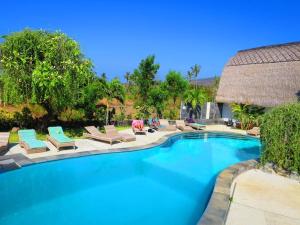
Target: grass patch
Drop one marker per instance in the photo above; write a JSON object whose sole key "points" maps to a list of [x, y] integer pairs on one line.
{"points": [[123, 127], [14, 138], [70, 132]]}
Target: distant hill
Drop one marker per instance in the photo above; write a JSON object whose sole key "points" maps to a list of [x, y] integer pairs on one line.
{"points": [[204, 82]]}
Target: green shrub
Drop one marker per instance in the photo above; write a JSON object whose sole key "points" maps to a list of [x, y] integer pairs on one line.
{"points": [[100, 114], [24, 118], [37, 111], [119, 117], [280, 136], [142, 111], [6, 120], [171, 114], [248, 115], [71, 115]]}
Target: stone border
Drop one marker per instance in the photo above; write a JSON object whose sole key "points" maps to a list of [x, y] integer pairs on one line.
{"points": [[8, 164], [219, 203]]}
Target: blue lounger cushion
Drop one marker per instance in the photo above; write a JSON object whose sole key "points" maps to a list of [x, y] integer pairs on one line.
{"points": [[29, 137], [58, 134]]}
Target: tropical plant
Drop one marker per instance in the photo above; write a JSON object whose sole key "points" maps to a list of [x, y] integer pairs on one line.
{"points": [[143, 79], [37, 111], [127, 77], [195, 97], [91, 95], [6, 120], [44, 68], [280, 136], [100, 115], [248, 115], [193, 72], [24, 118], [175, 85], [120, 117], [113, 90], [71, 115], [1, 87], [157, 99], [142, 111]]}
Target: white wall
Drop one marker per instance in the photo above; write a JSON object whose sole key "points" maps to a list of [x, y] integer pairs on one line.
{"points": [[226, 111]]}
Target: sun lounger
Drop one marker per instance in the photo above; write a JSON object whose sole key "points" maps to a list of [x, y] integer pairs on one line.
{"points": [[138, 127], [152, 124], [111, 130], [255, 131], [197, 126], [4, 136], [165, 126], [28, 140], [94, 133], [59, 139], [181, 126]]}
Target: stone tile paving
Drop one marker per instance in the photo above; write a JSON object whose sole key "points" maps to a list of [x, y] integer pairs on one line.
{"points": [[85, 145], [264, 199], [218, 206]]}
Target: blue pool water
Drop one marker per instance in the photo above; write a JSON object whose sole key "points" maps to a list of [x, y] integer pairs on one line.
{"points": [[167, 184]]}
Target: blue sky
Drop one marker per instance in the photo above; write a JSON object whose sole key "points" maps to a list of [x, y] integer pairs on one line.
{"points": [[116, 35]]}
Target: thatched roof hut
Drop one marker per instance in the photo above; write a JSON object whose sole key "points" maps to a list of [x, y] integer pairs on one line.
{"points": [[265, 76]]}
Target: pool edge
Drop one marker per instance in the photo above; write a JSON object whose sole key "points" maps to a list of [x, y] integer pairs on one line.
{"points": [[23, 160], [218, 206]]}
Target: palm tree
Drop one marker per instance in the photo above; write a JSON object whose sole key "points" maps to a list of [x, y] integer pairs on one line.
{"points": [[127, 77], [195, 70], [113, 90], [193, 73], [195, 97]]}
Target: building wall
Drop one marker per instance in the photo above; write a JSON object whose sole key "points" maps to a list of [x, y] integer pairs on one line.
{"points": [[226, 111], [209, 110]]}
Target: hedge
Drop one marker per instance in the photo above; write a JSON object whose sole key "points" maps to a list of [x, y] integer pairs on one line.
{"points": [[280, 136]]}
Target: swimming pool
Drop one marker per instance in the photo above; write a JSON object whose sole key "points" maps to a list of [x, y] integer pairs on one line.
{"points": [[167, 184]]}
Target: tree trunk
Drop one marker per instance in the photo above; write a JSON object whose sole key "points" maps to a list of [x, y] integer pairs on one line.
{"points": [[107, 112]]}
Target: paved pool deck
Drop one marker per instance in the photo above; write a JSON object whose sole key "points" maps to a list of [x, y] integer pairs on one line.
{"points": [[223, 128], [261, 198], [84, 145], [92, 145]]}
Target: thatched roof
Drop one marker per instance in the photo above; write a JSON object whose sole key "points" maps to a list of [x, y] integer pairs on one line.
{"points": [[265, 76], [204, 81]]}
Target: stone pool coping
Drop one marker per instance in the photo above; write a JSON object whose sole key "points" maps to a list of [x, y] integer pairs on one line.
{"points": [[219, 203], [218, 206]]}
